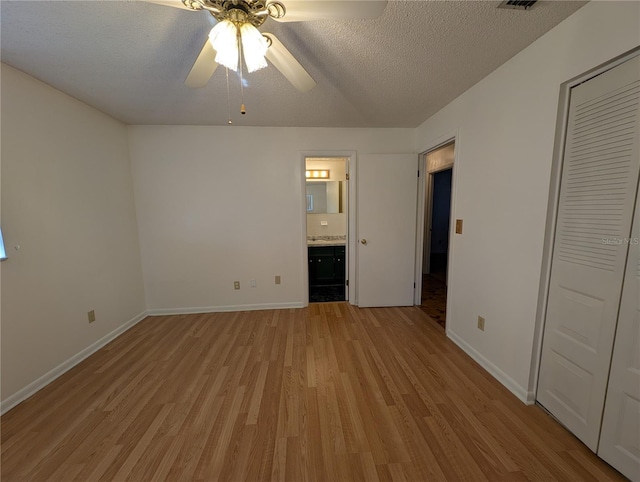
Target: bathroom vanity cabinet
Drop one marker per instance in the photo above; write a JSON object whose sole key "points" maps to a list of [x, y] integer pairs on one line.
{"points": [[326, 265]]}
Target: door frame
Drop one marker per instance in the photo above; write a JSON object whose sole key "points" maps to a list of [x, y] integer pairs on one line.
{"points": [[350, 265], [562, 120], [428, 206], [425, 193]]}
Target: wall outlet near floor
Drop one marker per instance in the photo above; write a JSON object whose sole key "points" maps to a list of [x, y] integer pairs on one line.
{"points": [[480, 323], [236, 285], [253, 283], [91, 316], [278, 280]]}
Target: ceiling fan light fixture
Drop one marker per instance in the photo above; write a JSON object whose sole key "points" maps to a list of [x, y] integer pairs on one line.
{"points": [[254, 47], [224, 39]]}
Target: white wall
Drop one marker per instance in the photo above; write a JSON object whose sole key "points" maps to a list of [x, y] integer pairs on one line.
{"points": [[505, 126], [67, 201], [336, 224], [219, 204]]}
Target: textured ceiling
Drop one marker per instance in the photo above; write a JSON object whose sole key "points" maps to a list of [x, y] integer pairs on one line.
{"points": [[129, 59]]}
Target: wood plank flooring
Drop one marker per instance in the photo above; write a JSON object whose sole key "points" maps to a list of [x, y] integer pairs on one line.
{"points": [[434, 298], [328, 393]]}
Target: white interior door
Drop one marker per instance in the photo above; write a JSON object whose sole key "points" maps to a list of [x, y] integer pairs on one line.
{"points": [[620, 436], [597, 195], [386, 224]]}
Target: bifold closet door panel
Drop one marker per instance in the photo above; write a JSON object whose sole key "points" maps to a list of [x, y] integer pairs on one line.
{"points": [[597, 196], [620, 436]]}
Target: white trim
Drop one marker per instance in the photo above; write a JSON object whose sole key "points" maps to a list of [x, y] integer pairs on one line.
{"points": [[352, 233], [457, 139], [424, 210], [223, 309], [21, 395], [350, 269], [420, 229], [520, 392], [304, 268]]}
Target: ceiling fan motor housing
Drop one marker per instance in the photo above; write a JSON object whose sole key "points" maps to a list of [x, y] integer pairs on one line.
{"points": [[254, 12]]}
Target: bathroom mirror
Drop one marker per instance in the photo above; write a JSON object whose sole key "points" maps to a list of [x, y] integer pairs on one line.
{"points": [[324, 197]]}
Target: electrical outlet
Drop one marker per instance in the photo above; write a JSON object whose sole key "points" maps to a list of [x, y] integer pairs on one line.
{"points": [[278, 280], [480, 323], [253, 283], [236, 285], [91, 315]]}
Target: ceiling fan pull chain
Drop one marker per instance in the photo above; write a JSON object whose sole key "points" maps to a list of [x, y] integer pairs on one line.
{"points": [[243, 110], [228, 98]]}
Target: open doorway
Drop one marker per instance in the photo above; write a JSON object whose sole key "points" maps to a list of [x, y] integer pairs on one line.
{"points": [[440, 222], [327, 227], [439, 164]]}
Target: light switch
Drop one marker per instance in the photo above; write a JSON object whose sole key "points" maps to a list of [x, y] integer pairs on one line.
{"points": [[324, 223]]}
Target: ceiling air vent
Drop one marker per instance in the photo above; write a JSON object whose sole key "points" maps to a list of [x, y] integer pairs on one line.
{"points": [[518, 4]]}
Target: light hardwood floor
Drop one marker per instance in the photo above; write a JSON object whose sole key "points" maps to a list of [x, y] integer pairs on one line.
{"points": [[328, 393]]}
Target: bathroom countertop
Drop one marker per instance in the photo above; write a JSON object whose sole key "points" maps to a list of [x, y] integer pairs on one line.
{"points": [[326, 240], [323, 242]]}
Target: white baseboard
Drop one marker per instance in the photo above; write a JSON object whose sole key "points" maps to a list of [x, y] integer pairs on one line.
{"points": [[222, 309], [65, 366], [523, 394]]}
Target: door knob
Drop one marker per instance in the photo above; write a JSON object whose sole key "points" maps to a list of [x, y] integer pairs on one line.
{"points": [[363, 241]]}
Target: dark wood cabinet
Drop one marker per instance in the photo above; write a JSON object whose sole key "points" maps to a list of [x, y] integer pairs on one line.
{"points": [[326, 265]]}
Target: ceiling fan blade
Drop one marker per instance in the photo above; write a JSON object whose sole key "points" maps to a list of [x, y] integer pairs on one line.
{"points": [[170, 3], [287, 64], [302, 10], [203, 68]]}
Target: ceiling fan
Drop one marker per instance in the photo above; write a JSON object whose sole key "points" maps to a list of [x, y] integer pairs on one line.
{"points": [[236, 36]]}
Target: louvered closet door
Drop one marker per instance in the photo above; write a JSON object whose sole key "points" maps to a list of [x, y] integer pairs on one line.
{"points": [[620, 436], [598, 188]]}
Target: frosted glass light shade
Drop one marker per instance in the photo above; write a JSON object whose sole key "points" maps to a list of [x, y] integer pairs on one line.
{"points": [[3, 253], [254, 46], [224, 39]]}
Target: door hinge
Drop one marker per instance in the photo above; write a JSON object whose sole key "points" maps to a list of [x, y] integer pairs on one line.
{"points": [[414, 285], [418, 173], [347, 282], [347, 176]]}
